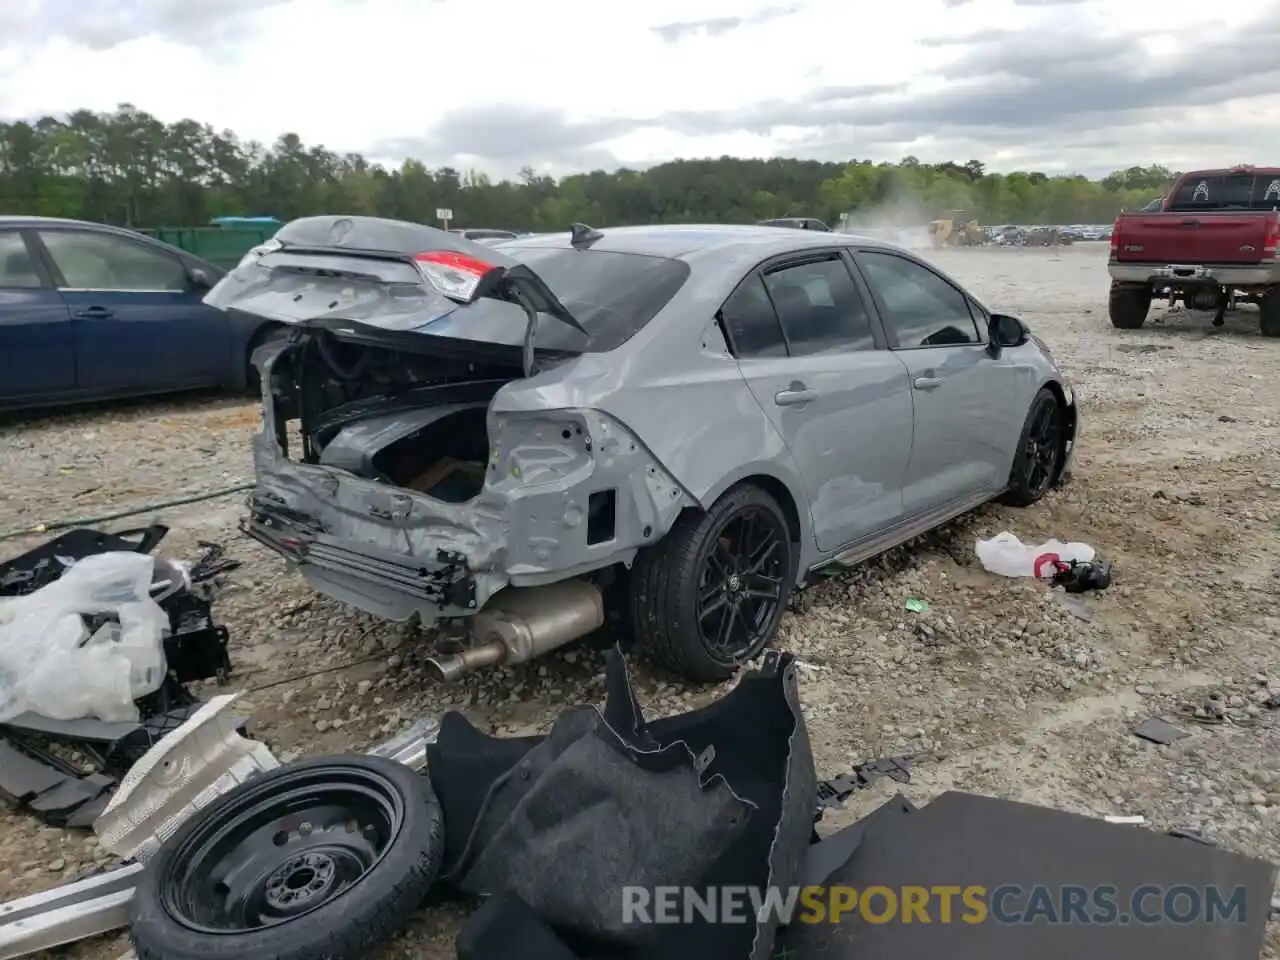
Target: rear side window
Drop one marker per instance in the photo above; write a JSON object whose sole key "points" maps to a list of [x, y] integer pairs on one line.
{"points": [[17, 269], [751, 324], [613, 295], [820, 308], [1243, 191]]}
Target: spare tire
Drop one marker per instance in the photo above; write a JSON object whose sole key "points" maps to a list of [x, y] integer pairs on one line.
{"points": [[322, 858]]}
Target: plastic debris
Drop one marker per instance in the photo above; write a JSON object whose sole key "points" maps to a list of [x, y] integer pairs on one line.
{"points": [[1007, 556], [87, 645]]}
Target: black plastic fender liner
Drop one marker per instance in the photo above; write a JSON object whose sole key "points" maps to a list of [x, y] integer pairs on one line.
{"points": [[324, 858]]}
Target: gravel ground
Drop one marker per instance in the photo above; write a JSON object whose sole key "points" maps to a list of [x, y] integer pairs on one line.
{"points": [[1176, 481]]}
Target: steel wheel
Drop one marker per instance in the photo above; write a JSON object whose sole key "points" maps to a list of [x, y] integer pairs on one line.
{"points": [[277, 857], [325, 857], [740, 583]]}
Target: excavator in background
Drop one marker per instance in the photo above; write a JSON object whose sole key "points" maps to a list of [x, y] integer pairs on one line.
{"points": [[956, 228]]}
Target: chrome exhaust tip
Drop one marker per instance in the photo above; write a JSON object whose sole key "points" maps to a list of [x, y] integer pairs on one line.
{"points": [[453, 666]]}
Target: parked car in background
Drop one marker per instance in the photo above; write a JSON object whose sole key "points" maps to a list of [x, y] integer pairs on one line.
{"points": [[797, 223], [484, 235], [508, 438], [89, 311]]}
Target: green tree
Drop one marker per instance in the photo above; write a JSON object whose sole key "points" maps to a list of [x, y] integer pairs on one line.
{"points": [[127, 167]]}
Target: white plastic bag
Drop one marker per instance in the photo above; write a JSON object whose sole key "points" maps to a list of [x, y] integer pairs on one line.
{"points": [[50, 665], [1006, 555]]}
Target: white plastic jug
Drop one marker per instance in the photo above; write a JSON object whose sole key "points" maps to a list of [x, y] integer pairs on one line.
{"points": [[1007, 556]]}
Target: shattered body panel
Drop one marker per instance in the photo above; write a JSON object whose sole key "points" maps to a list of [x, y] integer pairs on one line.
{"points": [[524, 528], [658, 411]]}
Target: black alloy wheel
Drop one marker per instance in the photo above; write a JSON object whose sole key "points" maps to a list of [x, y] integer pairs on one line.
{"points": [[1040, 453], [320, 858], [710, 594], [740, 583]]}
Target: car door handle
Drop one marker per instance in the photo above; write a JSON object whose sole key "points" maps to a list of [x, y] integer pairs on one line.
{"points": [[791, 398], [927, 383], [94, 313]]}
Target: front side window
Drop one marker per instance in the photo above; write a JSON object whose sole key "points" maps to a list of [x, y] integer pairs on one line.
{"points": [[97, 261], [920, 307]]}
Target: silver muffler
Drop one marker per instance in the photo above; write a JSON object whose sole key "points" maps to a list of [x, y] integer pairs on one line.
{"points": [[521, 623]]}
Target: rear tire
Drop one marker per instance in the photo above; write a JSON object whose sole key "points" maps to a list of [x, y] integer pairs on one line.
{"points": [[1129, 305], [1269, 312], [1041, 448], [698, 597]]}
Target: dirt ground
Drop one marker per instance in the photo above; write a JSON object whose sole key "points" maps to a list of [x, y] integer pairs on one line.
{"points": [[1177, 482]]}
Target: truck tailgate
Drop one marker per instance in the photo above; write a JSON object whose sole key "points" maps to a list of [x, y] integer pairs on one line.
{"points": [[1193, 237]]}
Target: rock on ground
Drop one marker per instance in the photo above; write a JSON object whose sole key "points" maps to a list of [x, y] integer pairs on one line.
{"points": [[1177, 481]]}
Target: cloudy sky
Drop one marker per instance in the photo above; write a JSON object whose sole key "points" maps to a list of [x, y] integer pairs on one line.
{"points": [[567, 85]]}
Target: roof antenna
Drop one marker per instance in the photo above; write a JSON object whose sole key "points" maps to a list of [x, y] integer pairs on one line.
{"points": [[583, 236]]}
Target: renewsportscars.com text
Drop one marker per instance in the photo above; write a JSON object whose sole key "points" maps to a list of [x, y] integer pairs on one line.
{"points": [[1008, 904]]}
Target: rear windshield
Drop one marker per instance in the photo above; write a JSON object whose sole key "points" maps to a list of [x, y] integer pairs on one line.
{"points": [[1244, 191], [613, 295]]}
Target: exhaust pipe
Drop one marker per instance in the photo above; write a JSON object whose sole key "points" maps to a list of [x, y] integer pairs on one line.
{"points": [[521, 623], [468, 661]]}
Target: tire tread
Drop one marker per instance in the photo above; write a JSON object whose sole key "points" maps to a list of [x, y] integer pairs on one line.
{"points": [[657, 610]]}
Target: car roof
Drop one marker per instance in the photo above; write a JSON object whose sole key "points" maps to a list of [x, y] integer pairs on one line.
{"points": [[18, 222], [13, 220], [687, 241], [1242, 171]]}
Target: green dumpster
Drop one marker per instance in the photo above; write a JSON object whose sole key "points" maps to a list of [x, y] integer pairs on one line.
{"points": [[223, 245]]}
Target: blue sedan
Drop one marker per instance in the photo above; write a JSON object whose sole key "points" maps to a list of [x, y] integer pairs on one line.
{"points": [[91, 312]]}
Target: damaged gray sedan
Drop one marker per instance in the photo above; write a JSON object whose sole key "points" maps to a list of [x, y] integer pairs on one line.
{"points": [[671, 426]]}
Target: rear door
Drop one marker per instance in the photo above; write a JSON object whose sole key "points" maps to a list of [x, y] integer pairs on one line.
{"points": [[36, 353], [812, 356], [969, 406], [139, 322]]}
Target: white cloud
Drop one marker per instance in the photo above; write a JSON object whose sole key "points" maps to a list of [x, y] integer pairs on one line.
{"points": [[364, 74]]}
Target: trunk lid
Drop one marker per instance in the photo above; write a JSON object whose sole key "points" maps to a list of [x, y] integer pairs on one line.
{"points": [[359, 275], [1193, 237]]}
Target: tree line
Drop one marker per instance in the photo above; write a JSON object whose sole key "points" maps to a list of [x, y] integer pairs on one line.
{"points": [[129, 168]]}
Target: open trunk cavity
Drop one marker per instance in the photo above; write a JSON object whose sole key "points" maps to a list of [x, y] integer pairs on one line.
{"points": [[410, 420]]}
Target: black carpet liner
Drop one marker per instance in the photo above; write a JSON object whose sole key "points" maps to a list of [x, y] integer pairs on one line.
{"points": [[956, 840], [962, 839], [747, 735]]}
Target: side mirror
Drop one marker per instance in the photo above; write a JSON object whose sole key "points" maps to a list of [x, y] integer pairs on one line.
{"points": [[200, 278], [1006, 331]]}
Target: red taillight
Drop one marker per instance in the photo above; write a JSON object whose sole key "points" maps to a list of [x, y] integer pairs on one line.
{"points": [[1115, 238], [456, 275], [1272, 237]]}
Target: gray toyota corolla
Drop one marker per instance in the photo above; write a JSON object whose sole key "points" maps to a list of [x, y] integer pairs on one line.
{"points": [[671, 427]]}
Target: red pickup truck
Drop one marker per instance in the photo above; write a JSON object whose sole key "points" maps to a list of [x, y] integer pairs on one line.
{"points": [[1212, 245]]}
